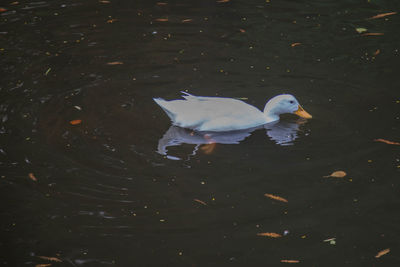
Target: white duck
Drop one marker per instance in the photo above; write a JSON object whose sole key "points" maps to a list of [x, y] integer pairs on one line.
{"points": [[220, 114]]}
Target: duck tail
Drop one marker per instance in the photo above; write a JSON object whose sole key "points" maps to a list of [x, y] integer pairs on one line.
{"points": [[159, 100], [186, 93], [164, 105]]}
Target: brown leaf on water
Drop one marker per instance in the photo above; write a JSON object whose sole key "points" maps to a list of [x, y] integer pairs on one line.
{"points": [[32, 177], [382, 252], [276, 197], [14, 3], [115, 63], [372, 34], [187, 20], [387, 142], [43, 265], [161, 4], [242, 30], [382, 15], [290, 261], [377, 52], [337, 174], [104, 2], [111, 20], [75, 122], [295, 44], [273, 235], [161, 20], [50, 258], [3, 9], [223, 1], [200, 201]]}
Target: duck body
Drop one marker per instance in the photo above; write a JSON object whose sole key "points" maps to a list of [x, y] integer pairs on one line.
{"points": [[219, 114]]}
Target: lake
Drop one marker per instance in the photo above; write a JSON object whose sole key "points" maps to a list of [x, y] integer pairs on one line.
{"points": [[93, 174]]}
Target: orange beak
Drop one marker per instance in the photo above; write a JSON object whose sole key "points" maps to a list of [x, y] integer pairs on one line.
{"points": [[302, 113]]}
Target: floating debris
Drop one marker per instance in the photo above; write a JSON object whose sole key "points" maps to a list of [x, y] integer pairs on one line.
{"points": [[387, 142], [377, 52], [382, 15], [337, 174], [331, 241], [372, 34], [200, 201], [50, 258], [32, 177], [276, 197], [115, 63], [273, 235], [75, 122], [290, 261], [361, 30], [382, 252], [47, 71]]}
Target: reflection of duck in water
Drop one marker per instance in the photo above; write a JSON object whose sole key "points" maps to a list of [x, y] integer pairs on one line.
{"points": [[282, 133], [220, 114]]}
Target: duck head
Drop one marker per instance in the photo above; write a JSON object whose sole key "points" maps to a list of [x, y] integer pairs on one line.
{"points": [[282, 104]]}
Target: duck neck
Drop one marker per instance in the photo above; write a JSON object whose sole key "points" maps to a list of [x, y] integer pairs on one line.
{"points": [[269, 112]]}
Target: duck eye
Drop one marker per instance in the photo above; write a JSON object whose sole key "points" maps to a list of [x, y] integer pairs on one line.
{"points": [[291, 102]]}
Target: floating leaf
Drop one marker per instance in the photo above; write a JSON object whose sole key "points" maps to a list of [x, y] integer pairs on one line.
{"points": [[200, 201], [372, 34], [295, 44], [382, 15], [387, 142], [115, 63], [290, 261], [382, 252], [104, 1], [43, 265], [223, 1], [331, 241], [75, 122], [78, 107], [276, 197], [111, 20], [32, 177], [377, 52], [273, 235], [161, 20], [14, 3], [337, 174], [361, 30], [3, 9], [50, 258], [162, 4], [187, 20], [47, 71], [242, 30]]}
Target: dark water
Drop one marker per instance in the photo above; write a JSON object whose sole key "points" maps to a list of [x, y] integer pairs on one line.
{"points": [[107, 195]]}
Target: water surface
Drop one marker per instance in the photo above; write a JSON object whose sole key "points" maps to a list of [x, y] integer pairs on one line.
{"points": [[105, 195]]}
